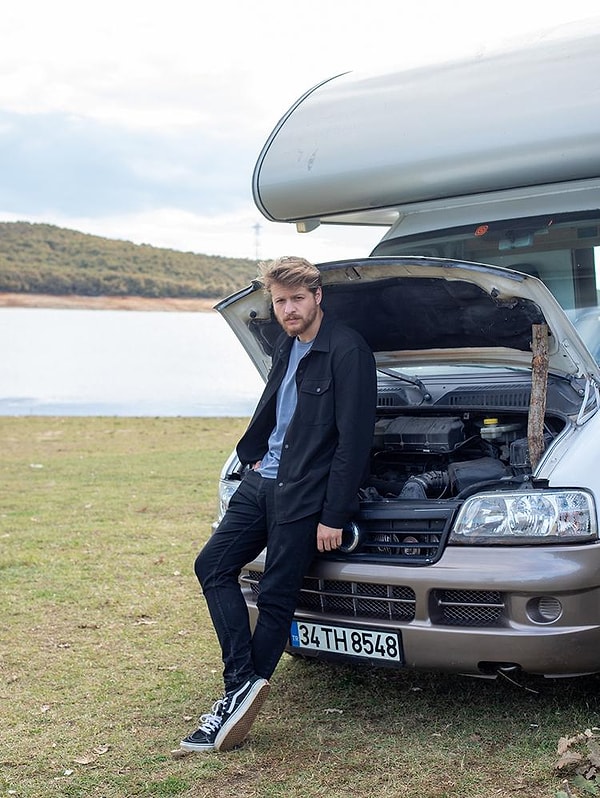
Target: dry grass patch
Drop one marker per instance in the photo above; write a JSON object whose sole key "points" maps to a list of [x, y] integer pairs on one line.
{"points": [[107, 655]]}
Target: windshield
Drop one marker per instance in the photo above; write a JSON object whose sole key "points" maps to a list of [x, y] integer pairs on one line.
{"points": [[563, 251]]}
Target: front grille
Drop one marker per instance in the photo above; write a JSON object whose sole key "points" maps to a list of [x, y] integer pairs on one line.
{"points": [[401, 533], [349, 599], [462, 608], [467, 607]]}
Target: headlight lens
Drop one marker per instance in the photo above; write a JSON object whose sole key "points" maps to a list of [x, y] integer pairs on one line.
{"points": [[227, 487], [544, 516]]}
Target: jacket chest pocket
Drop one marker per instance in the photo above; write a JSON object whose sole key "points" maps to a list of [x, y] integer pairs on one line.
{"points": [[315, 401]]}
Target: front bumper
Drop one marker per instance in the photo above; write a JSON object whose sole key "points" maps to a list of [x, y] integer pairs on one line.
{"points": [[476, 610]]}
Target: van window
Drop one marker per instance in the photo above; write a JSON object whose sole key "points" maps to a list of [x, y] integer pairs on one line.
{"points": [[560, 250]]}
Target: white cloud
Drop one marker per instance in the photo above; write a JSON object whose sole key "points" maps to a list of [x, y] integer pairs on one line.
{"points": [[127, 61], [173, 102]]}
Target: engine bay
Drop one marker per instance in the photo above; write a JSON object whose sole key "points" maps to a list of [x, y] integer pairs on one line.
{"points": [[428, 456]]}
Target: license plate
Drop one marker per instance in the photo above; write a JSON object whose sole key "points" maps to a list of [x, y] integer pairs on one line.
{"points": [[351, 641]]}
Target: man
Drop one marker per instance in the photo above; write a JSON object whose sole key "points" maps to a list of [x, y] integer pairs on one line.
{"points": [[307, 446]]}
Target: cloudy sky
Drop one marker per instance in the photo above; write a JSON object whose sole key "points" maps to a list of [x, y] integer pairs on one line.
{"points": [[143, 120]]}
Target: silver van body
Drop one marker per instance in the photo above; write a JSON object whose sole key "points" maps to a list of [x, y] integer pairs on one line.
{"points": [[468, 553], [368, 149]]}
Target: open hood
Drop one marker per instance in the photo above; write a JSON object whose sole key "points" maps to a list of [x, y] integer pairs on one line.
{"points": [[425, 311]]}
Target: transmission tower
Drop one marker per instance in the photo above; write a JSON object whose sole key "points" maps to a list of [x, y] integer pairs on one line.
{"points": [[257, 228]]}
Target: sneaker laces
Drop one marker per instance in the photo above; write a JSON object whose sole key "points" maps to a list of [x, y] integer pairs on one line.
{"points": [[211, 721]]}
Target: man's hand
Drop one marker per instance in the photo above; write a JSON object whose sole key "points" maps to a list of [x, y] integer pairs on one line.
{"points": [[328, 538]]}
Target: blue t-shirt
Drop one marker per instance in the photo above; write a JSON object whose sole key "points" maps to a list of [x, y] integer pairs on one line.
{"points": [[287, 399]]}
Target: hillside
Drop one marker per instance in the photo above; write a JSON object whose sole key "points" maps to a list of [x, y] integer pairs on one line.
{"points": [[44, 259]]}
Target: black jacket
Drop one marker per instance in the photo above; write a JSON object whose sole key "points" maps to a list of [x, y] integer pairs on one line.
{"points": [[326, 448]]}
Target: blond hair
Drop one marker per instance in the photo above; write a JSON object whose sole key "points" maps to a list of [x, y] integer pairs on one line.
{"points": [[290, 271]]}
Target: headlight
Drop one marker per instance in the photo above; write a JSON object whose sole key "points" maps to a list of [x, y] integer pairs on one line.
{"points": [[544, 516], [229, 482], [227, 487]]}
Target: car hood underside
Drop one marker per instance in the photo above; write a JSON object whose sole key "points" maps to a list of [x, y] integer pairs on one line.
{"points": [[422, 311]]}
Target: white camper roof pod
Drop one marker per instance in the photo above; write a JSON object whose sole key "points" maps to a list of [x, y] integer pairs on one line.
{"points": [[357, 149]]}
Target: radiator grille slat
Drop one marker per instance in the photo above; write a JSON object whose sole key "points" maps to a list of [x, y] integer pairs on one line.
{"points": [[350, 599], [370, 600]]}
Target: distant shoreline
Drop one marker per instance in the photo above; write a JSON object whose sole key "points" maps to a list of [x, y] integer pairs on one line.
{"points": [[72, 301]]}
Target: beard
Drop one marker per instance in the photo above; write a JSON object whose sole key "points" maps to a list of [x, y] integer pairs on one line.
{"points": [[297, 325]]}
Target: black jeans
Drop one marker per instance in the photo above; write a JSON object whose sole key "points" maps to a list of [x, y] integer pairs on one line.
{"points": [[247, 527]]}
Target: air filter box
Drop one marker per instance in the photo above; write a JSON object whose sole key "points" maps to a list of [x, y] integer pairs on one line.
{"points": [[421, 434]]}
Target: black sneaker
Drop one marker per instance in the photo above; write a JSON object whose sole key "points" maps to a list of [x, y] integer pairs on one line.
{"points": [[203, 739], [240, 708]]}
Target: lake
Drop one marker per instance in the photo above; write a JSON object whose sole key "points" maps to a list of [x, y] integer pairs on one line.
{"points": [[122, 363]]}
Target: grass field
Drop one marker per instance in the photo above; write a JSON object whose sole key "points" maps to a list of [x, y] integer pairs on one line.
{"points": [[107, 656]]}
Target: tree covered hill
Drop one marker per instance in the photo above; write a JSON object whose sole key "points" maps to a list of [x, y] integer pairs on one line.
{"points": [[44, 259]]}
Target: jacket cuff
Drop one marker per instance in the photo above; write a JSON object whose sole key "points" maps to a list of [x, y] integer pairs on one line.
{"points": [[334, 520]]}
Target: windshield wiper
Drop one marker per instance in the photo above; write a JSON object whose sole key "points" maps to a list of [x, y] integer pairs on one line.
{"points": [[412, 380]]}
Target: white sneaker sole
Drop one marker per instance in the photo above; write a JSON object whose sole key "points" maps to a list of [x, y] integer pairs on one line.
{"points": [[194, 747], [234, 731]]}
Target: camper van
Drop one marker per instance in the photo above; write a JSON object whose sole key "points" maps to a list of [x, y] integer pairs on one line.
{"points": [[476, 549]]}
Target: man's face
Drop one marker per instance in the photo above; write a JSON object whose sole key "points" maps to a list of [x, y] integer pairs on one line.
{"points": [[297, 310]]}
